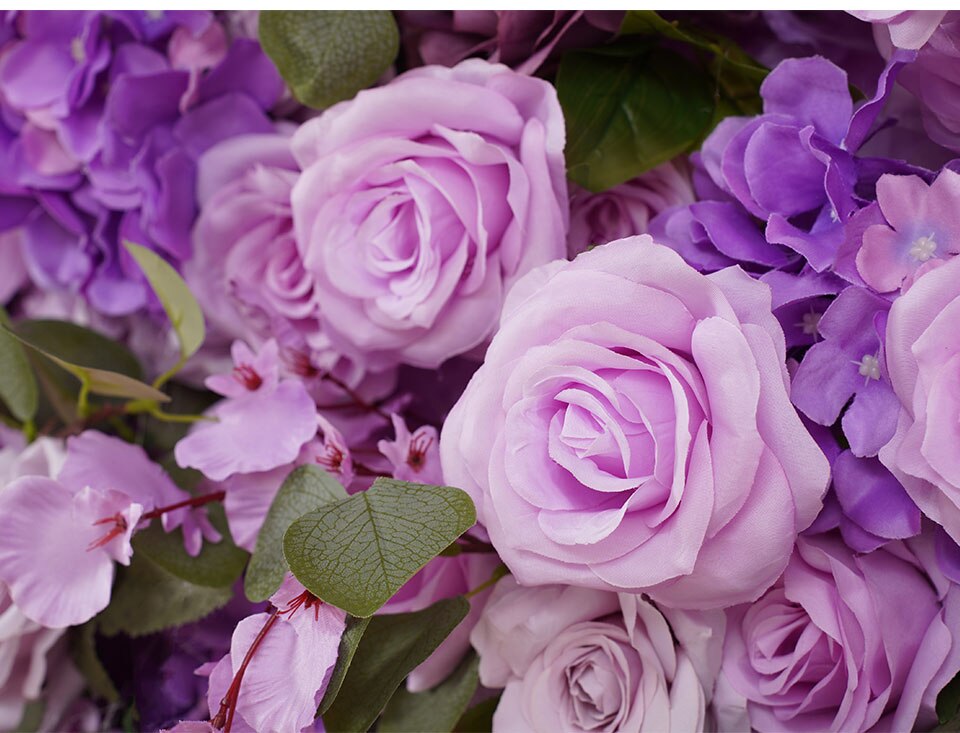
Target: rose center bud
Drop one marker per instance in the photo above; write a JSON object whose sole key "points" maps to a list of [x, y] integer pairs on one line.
{"points": [[247, 376]]}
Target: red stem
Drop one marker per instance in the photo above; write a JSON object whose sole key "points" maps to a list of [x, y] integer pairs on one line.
{"points": [[228, 705], [194, 501]]}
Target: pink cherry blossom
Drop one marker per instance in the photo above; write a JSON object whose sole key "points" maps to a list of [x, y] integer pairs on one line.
{"points": [[414, 456]]}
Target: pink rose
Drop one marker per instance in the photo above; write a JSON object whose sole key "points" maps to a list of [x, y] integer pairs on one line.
{"points": [[422, 201], [631, 430], [574, 659], [847, 641], [923, 360], [626, 210]]}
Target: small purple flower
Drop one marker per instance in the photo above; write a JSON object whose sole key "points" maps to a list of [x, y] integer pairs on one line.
{"points": [[924, 224], [261, 425], [414, 456]]}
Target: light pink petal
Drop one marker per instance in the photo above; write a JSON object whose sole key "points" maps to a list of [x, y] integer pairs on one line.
{"points": [[253, 433], [45, 532]]}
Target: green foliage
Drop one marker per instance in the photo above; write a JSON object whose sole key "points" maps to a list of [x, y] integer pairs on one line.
{"points": [[181, 307], [162, 435], [32, 717], [85, 354], [627, 112], [305, 489], [392, 646], [18, 386], [638, 102], [948, 705], [146, 598], [327, 56], [437, 709], [218, 565], [357, 552], [83, 652], [345, 653], [479, 718]]}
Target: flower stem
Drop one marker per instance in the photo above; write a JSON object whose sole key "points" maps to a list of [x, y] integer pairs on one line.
{"points": [[194, 502]]}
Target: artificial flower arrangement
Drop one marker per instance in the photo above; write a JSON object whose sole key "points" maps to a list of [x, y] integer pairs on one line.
{"points": [[479, 370]]}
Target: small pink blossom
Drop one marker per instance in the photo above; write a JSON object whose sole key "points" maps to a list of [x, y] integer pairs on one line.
{"points": [[414, 456]]}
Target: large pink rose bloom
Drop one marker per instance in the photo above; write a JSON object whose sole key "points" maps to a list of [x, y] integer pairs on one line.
{"points": [[422, 201], [631, 430], [846, 641], [923, 360]]}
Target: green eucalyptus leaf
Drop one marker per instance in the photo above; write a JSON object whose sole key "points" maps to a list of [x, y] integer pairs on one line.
{"points": [[348, 648], [391, 648], [326, 56], [436, 709], [79, 351], [218, 565], [146, 599], [357, 552], [18, 385], [83, 652], [305, 489], [628, 111], [181, 307]]}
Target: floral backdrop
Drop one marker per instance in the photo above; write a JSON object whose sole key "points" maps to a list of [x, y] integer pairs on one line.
{"points": [[479, 370]]}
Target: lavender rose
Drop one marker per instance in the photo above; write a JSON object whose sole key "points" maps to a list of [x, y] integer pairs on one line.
{"points": [[847, 642], [923, 361], [631, 430], [421, 202], [574, 659]]}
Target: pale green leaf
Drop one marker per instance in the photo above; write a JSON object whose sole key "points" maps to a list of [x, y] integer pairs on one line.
{"points": [[391, 648], [99, 381], [356, 553], [326, 56], [18, 385], [305, 489], [181, 307], [437, 709]]}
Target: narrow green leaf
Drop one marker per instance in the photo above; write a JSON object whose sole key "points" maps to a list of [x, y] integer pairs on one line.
{"points": [[345, 653], [479, 718], [218, 565], [83, 652], [177, 300], [327, 56], [305, 489], [99, 381], [437, 709], [392, 646], [356, 553], [146, 599], [32, 717], [627, 112], [18, 385]]}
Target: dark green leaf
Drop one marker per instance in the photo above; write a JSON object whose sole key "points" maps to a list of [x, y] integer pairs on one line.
{"points": [[437, 709], [356, 553], [737, 75], [327, 56], [479, 718], [32, 717], [62, 343], [18, 385], [219, 564], [626, 113], [181, 307], [306, 488], [146, 598], [83, 652], [345, 653], [948, 701], [392, 646]]}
